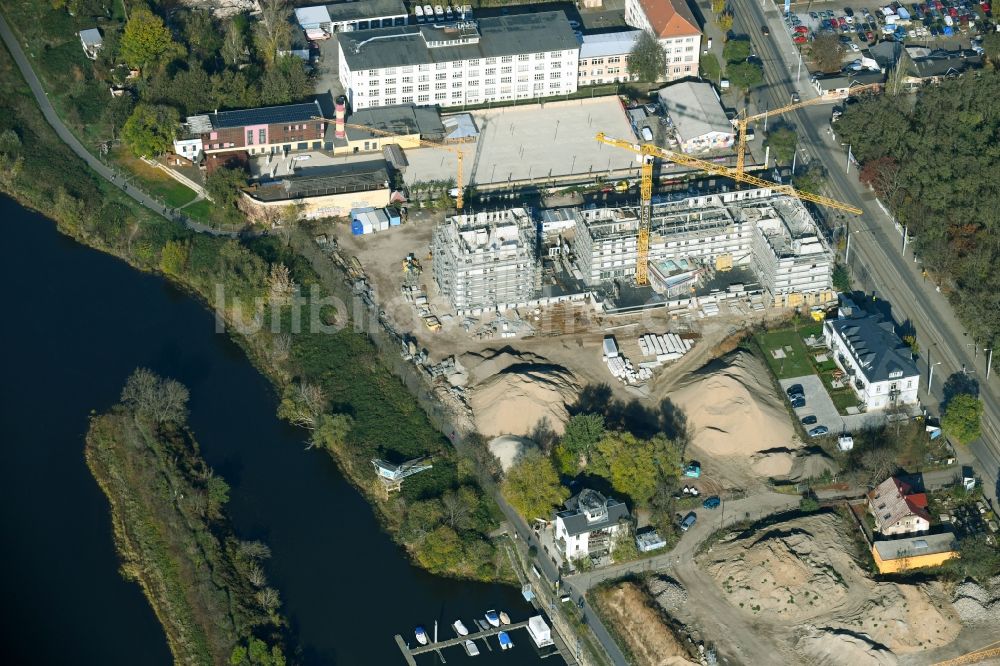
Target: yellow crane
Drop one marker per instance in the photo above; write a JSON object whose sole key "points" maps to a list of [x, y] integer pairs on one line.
{"points": [[742, 123], [648, 152], [459, 199]]}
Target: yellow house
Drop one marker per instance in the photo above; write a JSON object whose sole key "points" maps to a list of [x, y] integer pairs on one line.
{"points": [[915, 552]]}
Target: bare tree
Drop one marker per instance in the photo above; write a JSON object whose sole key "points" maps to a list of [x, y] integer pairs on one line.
{"points": [[268, 599], [281, 345], [458, 505], [234, 47], [280, 283], [272, 32], [151, 396], [254, 550], [256, 575]]}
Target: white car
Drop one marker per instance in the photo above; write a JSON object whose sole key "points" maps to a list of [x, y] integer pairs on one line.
{"points": [[855, 47]]}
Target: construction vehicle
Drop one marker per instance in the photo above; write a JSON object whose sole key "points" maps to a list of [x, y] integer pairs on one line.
{"points": [[743, 131], [648, 152], [621, 186], [411, 265], [458, 192]]}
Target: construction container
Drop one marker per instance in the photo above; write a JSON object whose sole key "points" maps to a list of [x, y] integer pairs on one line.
{"points": [[394, 218], [610, 347], [360, 227], [380, 220]]}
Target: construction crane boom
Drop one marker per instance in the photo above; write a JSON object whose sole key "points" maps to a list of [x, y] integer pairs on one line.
{"points": [[742, 123], [460, 197], [649, 151]]}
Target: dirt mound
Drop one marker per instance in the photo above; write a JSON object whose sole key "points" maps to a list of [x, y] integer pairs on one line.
{"points": [[976, 604], [804, 570], [508, 448], [650, 639], [513, 393], [669, 594], [733, 409], [837, 647], [791, 465]]}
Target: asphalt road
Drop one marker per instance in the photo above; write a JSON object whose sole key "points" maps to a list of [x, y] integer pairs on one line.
{"points": [[877, 259], [112, 176]]}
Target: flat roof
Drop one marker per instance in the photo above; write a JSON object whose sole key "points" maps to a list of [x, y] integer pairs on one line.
{"points": [[695, 109], [532, 140], [324, 180], [91, 36], [312, 15], [608, 44], [404, 119], [498, 36], [341, 12], [925, 544]]}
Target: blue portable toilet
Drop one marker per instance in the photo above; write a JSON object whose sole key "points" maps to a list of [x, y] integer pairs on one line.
{"points": [[394, 218], [948, 30], [357, 228]]}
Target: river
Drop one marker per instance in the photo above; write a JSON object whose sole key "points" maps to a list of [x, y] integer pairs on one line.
{"points": [[76, 324]]}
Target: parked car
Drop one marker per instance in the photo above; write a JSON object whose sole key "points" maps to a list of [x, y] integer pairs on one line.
{"points": [[712, 502], [809, 420], [819, 431], [794, 389], [764, 30], [798, 402], [800, 39], [855, 47], [849, 11], [688, 521], [801, 29]]}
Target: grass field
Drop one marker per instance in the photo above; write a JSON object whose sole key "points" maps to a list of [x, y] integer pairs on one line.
{"points": [[796, 362], [200, 211], [155, 182]]}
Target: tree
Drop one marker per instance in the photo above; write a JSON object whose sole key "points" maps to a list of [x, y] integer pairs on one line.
{"points": [[331, 432], [977, 558], [285, 81], [882, 175], [173, 257], [224, 186], [841, 278], [783, 140], [201, 34], [532, 486], [962, 417], [648, 60], [991, 47], [234, 44], [718, 6], [582, 432], [827, 52], [724, 21], [272, 32], [161, 400], [147, 42], [811, 179], [117, 112], [150, 129], [303, 404], [745, 75], [441, 549], [218, 495], [736, 50], [458, 506], [634, 465]]}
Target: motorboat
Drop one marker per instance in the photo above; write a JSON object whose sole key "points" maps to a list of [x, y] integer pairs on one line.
{"points": [[459, 628], [505, 642], [471, 649], [504, 618], [421, 635], [493, 618]]}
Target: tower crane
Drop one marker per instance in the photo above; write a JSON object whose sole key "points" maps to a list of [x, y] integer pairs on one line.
{"points": [[459, 199], [648, 152], [742, 123]]}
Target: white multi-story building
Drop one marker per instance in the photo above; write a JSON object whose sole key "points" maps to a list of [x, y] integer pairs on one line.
{"points": [[673, 24], [604, 57], [590, 526], [878, 364], [467, 62]]}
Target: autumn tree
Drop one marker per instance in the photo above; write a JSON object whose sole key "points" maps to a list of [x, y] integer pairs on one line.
{"points": [[272, 32], [882, 175], [146, 42], [648, 60], [332, 431], [827, 52], [724, 21], [532, 486], [150, 130], [633, 466]]}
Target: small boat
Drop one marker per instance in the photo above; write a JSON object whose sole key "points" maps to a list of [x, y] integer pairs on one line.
{"points": [[505, 642], [459, 628], [493, 618], [471, 649], [421, 635], [504, 618]]}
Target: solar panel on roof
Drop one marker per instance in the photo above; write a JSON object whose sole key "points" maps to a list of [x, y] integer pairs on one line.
{"points": [[268, 115]]}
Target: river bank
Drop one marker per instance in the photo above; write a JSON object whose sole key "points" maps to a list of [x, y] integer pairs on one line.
{"points": [[207, 587], [341, 370]]}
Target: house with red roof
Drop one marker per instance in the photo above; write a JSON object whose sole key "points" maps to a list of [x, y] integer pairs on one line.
{"points": [[674, 25], [897, 509]]}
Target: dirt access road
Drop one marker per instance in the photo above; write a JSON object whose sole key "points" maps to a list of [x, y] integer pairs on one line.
{"points": [[739, 641]]}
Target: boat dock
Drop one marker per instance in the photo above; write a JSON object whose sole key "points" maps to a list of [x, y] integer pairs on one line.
{"points": [[410, 652]]}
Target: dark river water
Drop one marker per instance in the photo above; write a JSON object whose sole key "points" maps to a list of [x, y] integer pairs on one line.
{"points": [[76, 323]]}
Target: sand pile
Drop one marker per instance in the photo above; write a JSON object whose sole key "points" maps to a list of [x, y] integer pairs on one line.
{"points": [[648, 636], [669, 594], [733, 409], [802, 571], [508, 448], [791, 464], [977, 605], [513, 393], [837, 647]]}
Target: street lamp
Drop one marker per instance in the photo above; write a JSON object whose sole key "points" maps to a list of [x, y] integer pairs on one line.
{"points": [[989, 362], [930, 379]]}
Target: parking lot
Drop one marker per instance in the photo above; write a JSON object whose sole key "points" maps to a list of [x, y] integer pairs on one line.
{"points": [[860, 26], [819, 404]]}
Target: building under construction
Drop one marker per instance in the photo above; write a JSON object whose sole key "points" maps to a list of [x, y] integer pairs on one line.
{"points": [[773, 235], [487, 260]]}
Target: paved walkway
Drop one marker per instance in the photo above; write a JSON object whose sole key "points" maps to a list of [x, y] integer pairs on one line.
{"points": [[106, 172]]}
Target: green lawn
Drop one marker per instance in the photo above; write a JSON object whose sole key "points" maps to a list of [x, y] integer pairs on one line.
{"points": [[796, 362], [172, 193], [200, 211]]}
